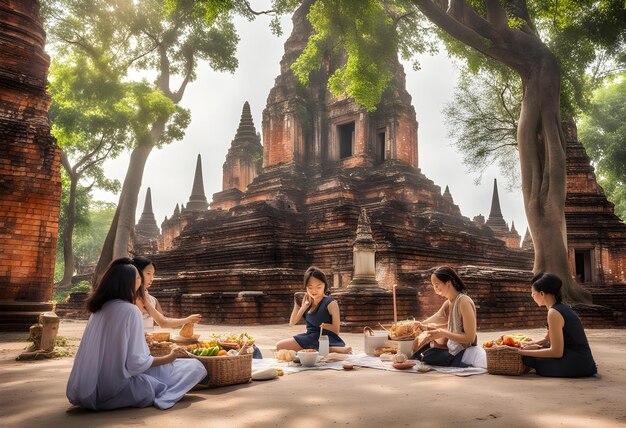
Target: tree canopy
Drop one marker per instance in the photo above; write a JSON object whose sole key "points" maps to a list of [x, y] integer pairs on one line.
{"points": [[140, 37], [588, 40], [603, 133]]}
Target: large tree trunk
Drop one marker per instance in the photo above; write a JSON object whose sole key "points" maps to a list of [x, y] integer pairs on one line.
{"points": [[541, 143], [68, 234], [118, 240], [540, 135]]}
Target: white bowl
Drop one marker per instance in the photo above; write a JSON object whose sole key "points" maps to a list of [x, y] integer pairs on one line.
{"points": [[308, 359]]}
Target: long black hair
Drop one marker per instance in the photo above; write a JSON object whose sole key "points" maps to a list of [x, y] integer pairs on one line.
{"points": [[548, 283], [446, 273], [316, 273], [118, 282]]}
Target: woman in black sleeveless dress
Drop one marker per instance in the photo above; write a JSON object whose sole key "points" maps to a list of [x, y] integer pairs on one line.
{"points": [[320, 312], [565, 351]]}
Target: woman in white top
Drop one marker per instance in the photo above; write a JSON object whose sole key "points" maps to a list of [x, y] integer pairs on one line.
{"points": [[113, 367], [453, 328], [153, 312]]}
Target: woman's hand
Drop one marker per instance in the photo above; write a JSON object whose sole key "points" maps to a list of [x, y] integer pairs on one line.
{"points": [[306, 301], [179, 353], [531, 346], [436, 333], [193, 318]]}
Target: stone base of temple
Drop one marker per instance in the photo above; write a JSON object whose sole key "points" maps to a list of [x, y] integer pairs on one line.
{"points": [[502, 301], [19, 316]]}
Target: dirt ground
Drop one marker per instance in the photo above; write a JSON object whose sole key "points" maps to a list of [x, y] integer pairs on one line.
{"points": [[32, 394]]}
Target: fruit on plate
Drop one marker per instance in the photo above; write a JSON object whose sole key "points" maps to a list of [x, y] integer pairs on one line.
{"points": [[516, 340], [206, 352]]}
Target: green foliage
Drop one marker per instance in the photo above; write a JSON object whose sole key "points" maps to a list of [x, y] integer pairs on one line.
{"points": [[360, 41], [62, 295], [603, 133], [91, 229], [587, 37], [482, 120], [88, 239]]}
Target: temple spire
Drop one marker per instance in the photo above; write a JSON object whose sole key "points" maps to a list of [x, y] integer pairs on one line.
{"points": [[197, 200], [447, 195], [147, 205], [527, 243], [496, 220], [146, 230], [495, 201], [246, 125]]}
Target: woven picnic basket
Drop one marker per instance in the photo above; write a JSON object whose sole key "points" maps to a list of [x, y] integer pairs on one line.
{"points": [[226, 370], [160, 351], [504, 360]]}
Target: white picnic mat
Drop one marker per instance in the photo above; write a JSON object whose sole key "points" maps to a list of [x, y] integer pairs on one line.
{"points": [[362, 360], [288, 368]]}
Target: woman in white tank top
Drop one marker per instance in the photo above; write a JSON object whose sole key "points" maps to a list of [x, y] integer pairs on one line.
{"points": [[452, 329]]}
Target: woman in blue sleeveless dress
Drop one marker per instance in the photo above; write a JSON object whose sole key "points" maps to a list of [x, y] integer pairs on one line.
{"points": [[320, 312], [565, 350]]}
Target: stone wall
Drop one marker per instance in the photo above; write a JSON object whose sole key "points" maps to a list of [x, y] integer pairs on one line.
{"points": [[30, 182]]}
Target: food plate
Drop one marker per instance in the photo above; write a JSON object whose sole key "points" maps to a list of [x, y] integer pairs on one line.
{"points": [[403, 366], [180, 339]]}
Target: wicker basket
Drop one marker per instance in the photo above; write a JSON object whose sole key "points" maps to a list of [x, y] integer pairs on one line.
{"points": [[505, 360], [160, 351], [227, 370]]}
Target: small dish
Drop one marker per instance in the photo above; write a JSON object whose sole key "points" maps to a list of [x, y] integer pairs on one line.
{"points": [[403, 366]]}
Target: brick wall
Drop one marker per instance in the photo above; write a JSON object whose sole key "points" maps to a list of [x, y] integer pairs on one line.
{"points": [[30, 183]]}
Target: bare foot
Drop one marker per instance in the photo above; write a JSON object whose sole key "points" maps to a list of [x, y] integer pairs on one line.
{"points": [[341, 350]]}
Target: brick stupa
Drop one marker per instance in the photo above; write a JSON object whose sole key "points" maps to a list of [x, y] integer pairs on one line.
{"points": [[30, 182]]}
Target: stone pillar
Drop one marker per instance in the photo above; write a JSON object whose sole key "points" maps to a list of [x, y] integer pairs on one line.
{"points": [[30, 183], [364, 255]]}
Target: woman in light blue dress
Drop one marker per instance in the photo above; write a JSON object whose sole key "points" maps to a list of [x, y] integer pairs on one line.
{"points": [[113, 367]]}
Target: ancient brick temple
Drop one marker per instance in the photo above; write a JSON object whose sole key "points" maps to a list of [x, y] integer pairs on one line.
{"points": [[596, 236], [325, 159], [30, 184]]}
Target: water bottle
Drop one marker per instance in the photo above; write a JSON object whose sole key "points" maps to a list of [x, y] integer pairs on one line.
{"points": [[324, 346]]}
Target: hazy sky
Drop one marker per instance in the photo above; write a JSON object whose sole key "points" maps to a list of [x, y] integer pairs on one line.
{"points": [[216, 100]]}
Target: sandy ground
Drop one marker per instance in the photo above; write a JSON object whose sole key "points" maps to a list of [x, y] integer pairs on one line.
{"points": [[32, 394]]}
